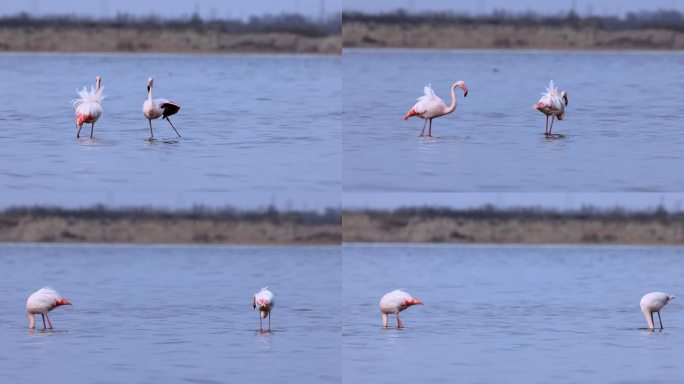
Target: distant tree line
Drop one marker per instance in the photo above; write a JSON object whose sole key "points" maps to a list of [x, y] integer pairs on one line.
{"points": [[270, 214], [529, 213], [283, 23], [660, 19]]}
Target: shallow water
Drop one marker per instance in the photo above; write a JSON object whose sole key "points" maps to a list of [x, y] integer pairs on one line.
{"points": [[518, 314], [255, 130], [621, 131], [171, 313]]}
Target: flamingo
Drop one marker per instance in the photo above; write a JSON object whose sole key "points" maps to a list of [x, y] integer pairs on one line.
{"points": [[395, 302], [430, 106], [265, 300], [43, 301], [88, 106], [154, 108], [552, 104], [654, 302]]}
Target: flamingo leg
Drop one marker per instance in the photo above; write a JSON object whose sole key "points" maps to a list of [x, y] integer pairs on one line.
{"points": [[261, 328], [43, 320], [48, 319], [399, 323], [430, 129], [92, 127], [78, 134], [552, 119], [546, 131], [269, 321], [151, 134], [174, 128], [660, 320], [423, 130]]}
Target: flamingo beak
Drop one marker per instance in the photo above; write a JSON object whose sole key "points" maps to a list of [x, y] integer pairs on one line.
{"points": [[414, 302], [148, 88], [465, 91]]}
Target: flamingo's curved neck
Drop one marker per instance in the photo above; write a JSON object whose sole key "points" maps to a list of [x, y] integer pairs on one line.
{"points": [[452, 107], [149, 94]]}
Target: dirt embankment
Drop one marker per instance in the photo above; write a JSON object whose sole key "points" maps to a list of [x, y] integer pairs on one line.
{"points": [[102, 226], [106, 39], [486, 36], [524, 228]]}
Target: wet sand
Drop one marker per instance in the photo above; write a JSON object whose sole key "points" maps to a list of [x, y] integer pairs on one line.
{"points": [[532, 227]]}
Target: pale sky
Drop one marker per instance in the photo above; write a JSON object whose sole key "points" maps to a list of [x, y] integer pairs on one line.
{"points": [[171, 8], [541, 6]]}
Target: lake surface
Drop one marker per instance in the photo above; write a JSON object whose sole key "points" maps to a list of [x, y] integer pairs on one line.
{"points": [[512, 314], [171, 314], [622, 130], [255, 130]]}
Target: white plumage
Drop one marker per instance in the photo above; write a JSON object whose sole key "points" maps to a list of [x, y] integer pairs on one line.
{"points": [[395, 302], [265, 301], [430, 106], [552, 103], [156, 108], [43, 301], [654, 302], [89, 106]]}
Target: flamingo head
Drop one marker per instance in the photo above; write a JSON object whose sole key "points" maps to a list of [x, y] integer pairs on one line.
{"points": [[412, 301], [564, 96], [149, 84], [461, 84], [62, 302]]}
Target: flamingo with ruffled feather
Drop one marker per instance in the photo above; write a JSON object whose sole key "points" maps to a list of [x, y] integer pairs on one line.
{"points": [[89, 106], [552, 103], [430, 106]]}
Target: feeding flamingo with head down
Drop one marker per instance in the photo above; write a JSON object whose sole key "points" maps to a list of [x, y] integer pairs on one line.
{"points": [[395, 302], [43, 301], [265, 301], [654, 302], [552, 103], [430, 106], [88, 106], [155, 108]]}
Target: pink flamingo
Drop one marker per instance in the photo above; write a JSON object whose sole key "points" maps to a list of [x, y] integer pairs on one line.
{"points": [[43, 301], [552, 103], [88, 106], [265, 300], [430, 106], [395, 302], [156, 108], [654, 302]]}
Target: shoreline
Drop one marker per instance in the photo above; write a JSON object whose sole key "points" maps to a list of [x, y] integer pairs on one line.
{"points": [[425, 226], [171, 41], [139, 226], [478, 227], [511, 37]]}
